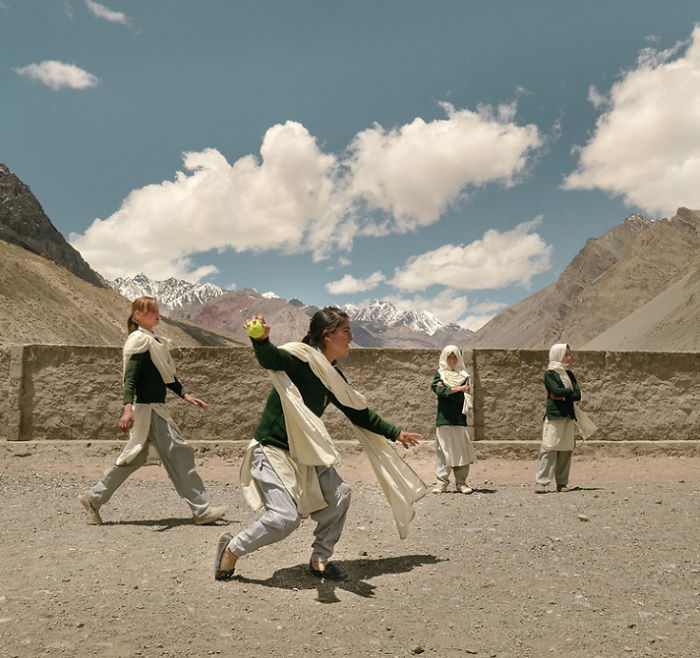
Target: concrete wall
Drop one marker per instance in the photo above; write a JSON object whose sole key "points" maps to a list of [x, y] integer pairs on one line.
{"points": [[73, 393]]}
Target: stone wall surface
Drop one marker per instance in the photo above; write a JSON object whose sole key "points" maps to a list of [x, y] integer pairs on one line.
{"points": [[74, 393], [10, 389], [631, 396]]}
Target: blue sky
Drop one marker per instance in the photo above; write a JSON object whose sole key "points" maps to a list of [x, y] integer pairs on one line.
{"points": [[450, 156]]}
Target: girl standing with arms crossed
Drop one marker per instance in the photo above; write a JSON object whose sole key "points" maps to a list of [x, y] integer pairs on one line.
{"points": [[454, 451], [559, 421]]}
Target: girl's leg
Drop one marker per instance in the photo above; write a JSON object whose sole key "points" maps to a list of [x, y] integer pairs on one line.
{"points": [[178, 460], [442, 471], [112, 479], [331, 519], [545, 469], [280, 518], [563, 467], [461, 474]]}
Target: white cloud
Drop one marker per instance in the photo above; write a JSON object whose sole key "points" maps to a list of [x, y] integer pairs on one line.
{"points": [[414, 171], [270, 295], [349, 284], [646, 144], [105, 13], [495, 261], [595, 98], [57, 75], [296, 198]]}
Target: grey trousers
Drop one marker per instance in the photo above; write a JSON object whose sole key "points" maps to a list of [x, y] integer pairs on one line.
{"points": [[178, 460], [554, 465], [442, 470], [281, 516]]}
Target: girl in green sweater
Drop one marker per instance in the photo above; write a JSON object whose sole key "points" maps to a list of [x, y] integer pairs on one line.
{"points": [[453, 451], [276, 475], [148, 371]]}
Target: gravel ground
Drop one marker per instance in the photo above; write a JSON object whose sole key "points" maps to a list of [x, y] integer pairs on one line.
{"points": [[609, 569]]}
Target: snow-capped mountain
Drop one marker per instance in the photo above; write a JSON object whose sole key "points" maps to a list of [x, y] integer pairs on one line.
{"points": [[171, 293], [387, 314]]}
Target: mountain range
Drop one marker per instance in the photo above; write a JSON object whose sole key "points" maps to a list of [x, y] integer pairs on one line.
{"points": [[378, 324], [637, 286]]}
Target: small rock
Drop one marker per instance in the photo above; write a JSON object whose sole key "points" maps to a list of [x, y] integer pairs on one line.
{"points": [[582, 517], [418, 649]]}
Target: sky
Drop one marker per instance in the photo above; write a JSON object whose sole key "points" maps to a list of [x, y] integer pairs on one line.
{"points": [[448, 156]]}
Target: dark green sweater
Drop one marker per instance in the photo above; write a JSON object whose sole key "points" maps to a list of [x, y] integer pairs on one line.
{"points": [[143, 383], [558, 409], [450, 405], [271, 429]]}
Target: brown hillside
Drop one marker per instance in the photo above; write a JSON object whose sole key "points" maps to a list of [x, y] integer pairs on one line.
{"points": [[42, 302], [611, 277]]}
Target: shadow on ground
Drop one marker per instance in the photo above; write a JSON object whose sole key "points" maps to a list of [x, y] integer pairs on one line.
{"points": [[359, 571]]}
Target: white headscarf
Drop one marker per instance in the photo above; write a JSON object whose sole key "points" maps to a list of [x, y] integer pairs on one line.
{"points": [[452, 376], [556, 354]]}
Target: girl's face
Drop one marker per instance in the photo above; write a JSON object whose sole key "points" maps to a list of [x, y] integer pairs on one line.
{"points": [[337, 343], [148, 318], [452, 360], [567, 356]]}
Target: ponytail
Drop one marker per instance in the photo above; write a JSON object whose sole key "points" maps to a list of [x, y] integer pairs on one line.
{"points": [[139, 305]]}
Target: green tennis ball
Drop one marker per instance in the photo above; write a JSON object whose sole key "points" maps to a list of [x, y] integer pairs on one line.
{"points": [[255, 329]]}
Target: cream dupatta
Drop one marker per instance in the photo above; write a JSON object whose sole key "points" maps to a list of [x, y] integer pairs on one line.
{"points": [[140, 341], [310, 445]]}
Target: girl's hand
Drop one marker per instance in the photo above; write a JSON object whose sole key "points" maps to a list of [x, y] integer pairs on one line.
{"points": [[556, 397], [127, 419], [261, 319], [408, 439], [195, 402], [464, 388]]}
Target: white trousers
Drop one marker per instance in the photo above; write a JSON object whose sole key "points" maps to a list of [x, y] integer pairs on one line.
{"points": [[281, 516], [177, 458]]}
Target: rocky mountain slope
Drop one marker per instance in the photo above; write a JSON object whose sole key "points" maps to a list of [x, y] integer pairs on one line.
{"points": [[49, 294], [613, 276], [42, 302], [23, 222]]}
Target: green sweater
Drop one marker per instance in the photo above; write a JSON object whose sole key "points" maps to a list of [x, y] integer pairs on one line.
{"points": [[449, 405], [558, 409], [271, 429], [143, 383]]}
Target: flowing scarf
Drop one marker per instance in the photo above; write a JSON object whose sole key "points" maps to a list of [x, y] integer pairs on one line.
{"points": [[310, 445]]}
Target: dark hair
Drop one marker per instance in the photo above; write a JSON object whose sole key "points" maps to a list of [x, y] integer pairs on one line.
{"points": [[324, 321], [140, 304]]}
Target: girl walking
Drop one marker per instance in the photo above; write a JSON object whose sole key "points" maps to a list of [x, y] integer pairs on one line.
{"points": [[148, 370]]}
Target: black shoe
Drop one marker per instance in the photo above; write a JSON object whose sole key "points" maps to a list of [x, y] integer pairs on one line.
{"points": [[219, 573], [331, 572], [562, 488]]}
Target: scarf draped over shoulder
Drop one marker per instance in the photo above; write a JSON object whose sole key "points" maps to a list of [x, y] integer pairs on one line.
{"points": [[455, 376], [310, 445], [138, 342]]}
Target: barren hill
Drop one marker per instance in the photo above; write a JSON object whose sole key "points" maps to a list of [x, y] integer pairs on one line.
{"points": [[42, 302], [613, 276]]}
